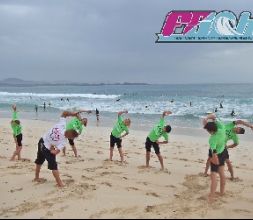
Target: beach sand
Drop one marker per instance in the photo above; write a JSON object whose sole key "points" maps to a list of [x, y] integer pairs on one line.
{"points": [[97, 188]]}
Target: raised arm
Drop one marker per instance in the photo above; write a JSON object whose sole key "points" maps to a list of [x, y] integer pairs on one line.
{"points": [[123, 112], [67, 114], [14, 107], [246, 124], [209, 117], [166, 113]]}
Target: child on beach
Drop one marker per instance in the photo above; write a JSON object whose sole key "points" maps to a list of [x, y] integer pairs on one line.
{"points": [[51, 145], [217, 153], [160, 130], [78, 124], [232, 131], [17, 133], [116, 135]]}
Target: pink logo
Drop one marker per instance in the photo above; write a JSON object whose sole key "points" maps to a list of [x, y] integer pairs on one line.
{"points": [[186, 19]]}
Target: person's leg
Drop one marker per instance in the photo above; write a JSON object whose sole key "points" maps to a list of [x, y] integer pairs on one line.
{"points": [[14, 154], [72, 144], [120, 149], [39, 162], [74, 150], [230, 168], [64, 151], [213, 184], [112, 144], [213, 177], [161, 161], [121, 153], [111, 153], [207, 167], [157, 151], [222, 180], [19, 153], [56, 175], [148, 151], [37, 173], [148, 155], [19, 149], [53, 166]]}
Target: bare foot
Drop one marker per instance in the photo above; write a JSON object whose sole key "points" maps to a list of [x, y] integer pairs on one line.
{"points": [[40, 180], [205, 175], [60, 185]]}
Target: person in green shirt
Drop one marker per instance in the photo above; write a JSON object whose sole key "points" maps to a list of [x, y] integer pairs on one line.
{"points": [[78, 125], [160, 130], [232, 131], [17, 133], [217, 142], [120, 130]]}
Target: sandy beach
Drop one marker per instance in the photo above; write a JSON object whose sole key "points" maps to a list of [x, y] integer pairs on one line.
{"points": [[97, 188]]}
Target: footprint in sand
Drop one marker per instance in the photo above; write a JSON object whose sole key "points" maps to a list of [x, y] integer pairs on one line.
{"points": [[152, 194], [87, 178], [100, 152], [163, 171], [171, 186], [68, 182], [132, 189], [235, 180], [107, 184], [16, 190]]}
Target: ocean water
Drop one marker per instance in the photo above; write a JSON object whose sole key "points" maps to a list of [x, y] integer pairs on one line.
{"points": [[144, 102]]}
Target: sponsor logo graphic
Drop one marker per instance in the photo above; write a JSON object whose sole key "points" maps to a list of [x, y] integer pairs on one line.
{"points": [[206, 27]]}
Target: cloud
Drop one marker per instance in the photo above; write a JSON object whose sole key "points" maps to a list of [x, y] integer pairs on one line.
{"points": [[111, 40]]}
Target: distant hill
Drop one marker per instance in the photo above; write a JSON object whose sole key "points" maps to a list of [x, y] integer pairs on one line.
{"points": [[20, 82]]}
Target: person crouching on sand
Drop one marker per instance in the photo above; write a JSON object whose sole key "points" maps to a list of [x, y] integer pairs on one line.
{"points": [[51, 145], [117, 134], [160, 130]]}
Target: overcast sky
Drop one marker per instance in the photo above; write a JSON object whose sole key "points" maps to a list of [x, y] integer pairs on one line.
{"points": [[113, 41]]}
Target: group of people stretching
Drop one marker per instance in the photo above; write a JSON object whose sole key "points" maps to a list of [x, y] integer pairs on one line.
{"points": [[53, 142]]}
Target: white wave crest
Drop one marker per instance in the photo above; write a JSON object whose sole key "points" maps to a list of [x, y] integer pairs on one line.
{"points": [[58, 95]]}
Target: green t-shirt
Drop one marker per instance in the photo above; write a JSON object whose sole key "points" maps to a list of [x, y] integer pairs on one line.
{"points": [[75, 124], [218, 140], [119, 128], [158, 132], [230, 133], [17, 129]]}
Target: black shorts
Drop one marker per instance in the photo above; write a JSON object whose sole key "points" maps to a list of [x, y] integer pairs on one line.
{"points": [[222, 160], [117, 141], [71, 142], [150, 144], [19, 140], [226, 154], [44, 154]]}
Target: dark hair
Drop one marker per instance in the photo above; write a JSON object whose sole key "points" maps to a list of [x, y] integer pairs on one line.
{"points": [[168, 128], [211, 127], [17, 122], [242, 131]]}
